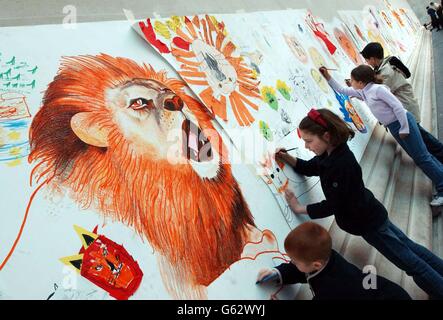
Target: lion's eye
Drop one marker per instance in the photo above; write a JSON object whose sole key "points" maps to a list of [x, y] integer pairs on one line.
{"points": [[141, 103]]}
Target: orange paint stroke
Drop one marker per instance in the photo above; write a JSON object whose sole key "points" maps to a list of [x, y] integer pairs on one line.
{"points": [[219, 40], [190, 63], [247, 101], [249, 92], [283, 188], [182, 35], [228, 49], [193, 74], [196, 21], [190, 28], [17, 239], [182, 53], [195, 82], [217, 107], [189, 68], [239, 118]]}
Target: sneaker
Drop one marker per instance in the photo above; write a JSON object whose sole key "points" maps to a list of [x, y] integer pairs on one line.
{"points": [[437, 202]]}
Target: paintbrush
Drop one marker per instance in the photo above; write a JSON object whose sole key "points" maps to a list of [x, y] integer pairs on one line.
{"points": [[284, 150]]}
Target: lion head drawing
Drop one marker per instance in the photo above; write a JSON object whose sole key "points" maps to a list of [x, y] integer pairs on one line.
{"points": [[103, 134]]}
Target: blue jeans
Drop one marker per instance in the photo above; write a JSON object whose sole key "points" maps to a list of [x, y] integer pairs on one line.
{"points": [[418, 262], [416, 149], [434, 146]]}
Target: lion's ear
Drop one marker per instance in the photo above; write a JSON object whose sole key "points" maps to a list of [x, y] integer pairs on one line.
{"points": [[88, 130]]}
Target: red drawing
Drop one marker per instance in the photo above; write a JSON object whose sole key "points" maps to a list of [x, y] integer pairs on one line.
{"points": [[149, 33], [106, 264], [319, 30], [13, 106]]}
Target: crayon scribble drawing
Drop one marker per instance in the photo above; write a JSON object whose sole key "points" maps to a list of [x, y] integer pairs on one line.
{"points": [[305, 88], [207, 61], [17, 80], [14, 122], [296, 48], [107, 145]]}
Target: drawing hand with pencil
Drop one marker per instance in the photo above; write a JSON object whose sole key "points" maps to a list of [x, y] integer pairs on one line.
{"points": [[281, 154], [267, 275], [325, 73]]}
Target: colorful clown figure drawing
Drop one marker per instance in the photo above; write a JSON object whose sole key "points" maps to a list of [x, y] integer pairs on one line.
{"points": [[209, 65], [349, 112], [106, 264]]}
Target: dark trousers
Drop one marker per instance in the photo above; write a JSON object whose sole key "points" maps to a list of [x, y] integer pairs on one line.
{"points": [[417, 261]]}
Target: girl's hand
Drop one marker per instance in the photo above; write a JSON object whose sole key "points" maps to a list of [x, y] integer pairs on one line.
{"points": [[289, 195], [403, 135], [325, 73], [282, 155], [293, 202]]}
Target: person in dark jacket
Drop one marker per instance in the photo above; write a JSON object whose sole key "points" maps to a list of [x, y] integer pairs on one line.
{"points": [[328, 274], [439, 11], [434, 18], [355, 208]]}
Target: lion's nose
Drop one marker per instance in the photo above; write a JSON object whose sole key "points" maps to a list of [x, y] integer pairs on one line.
{"points": [[174, 104]]}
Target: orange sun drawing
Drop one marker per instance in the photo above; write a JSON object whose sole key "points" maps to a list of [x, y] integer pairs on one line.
{"points": [[206, 59]]}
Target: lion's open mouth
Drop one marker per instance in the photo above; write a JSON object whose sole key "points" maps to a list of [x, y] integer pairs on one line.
{"points": [[196, 145]]}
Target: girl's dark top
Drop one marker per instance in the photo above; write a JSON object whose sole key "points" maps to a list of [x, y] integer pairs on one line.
{"points": [[341, 279], [356, 209]]}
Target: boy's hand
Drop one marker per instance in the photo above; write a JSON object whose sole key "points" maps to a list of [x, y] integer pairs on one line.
{"points": [[264, 272], [325, 73]]}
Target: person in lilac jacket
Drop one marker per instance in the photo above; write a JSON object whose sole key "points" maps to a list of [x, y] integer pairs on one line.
{"points": [[366, 86]]}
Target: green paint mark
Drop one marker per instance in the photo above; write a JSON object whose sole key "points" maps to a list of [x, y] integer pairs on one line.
{"points": [[266, 131], [284, 90], [268, 95], [12, 61]]}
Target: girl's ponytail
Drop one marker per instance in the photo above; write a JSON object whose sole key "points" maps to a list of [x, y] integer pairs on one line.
{"points": [[378, 79]]}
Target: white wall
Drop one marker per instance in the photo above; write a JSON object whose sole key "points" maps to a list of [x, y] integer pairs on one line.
{"points": [[30, 12]]}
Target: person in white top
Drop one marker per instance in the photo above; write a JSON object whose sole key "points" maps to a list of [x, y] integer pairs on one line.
{"points": [[366, 86]]}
